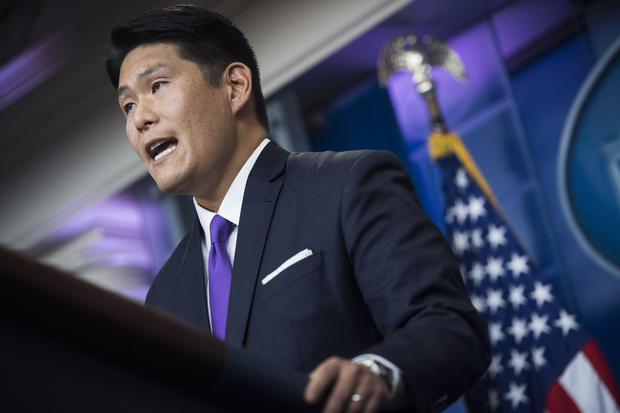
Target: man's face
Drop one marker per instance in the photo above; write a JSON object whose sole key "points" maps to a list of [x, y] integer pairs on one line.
{"points": [[181, 127]]}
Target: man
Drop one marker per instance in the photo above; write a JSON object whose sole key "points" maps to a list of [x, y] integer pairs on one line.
{"points": [[323, 261]]}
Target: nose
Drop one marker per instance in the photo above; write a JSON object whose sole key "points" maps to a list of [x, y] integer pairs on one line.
{"points": [[144, 116]]}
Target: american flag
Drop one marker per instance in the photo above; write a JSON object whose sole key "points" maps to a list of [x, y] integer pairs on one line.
{"points": [[543, 359]]}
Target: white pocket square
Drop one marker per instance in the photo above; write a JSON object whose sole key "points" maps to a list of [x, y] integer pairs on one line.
{"points": [[293, 260]]}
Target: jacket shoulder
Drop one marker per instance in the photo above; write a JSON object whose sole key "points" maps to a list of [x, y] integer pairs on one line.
{"points": [[329, 162]]}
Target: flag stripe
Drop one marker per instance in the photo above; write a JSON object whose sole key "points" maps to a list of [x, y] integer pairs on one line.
{"points": [[593, 352], [558, 401], [582, 382]]}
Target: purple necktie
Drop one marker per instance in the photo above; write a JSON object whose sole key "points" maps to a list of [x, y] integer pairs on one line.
{"points": [[220, 274]]}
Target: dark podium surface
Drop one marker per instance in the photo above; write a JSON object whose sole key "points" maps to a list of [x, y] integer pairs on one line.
{"points": [[66, 345]]}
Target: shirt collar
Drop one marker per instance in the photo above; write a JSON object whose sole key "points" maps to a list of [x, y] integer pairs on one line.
{"points": [[230, 208]]}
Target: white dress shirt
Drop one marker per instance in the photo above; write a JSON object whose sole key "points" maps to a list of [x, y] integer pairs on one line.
{"points": [[230, 209]]}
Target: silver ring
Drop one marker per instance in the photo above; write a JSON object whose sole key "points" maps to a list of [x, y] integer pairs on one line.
{"points": [[358, 398]]}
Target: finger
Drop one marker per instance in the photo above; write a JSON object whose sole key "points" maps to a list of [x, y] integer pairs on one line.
{"points": [[356, 406], [342, 390], [375, 391], [373, 404], [376, 402], [363, 389], [321, 379]]}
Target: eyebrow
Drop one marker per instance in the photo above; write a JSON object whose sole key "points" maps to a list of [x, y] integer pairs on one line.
{"points": [[148, 71]]}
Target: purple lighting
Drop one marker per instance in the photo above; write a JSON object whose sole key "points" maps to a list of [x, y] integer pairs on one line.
{"points": [[119, 215], [111, 244], [524, 22], [30, 69]]}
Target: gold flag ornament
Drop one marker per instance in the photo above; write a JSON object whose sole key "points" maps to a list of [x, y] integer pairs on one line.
{"points": [[407, 53]]}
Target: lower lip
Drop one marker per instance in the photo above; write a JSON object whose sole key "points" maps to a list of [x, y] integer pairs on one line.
{"points": [[162, 156]]}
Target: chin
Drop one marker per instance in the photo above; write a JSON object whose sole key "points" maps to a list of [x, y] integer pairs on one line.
{"points": [[172, 178], [170, 186]]}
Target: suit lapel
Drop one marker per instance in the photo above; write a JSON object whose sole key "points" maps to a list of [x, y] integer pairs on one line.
{"points": [[259, 200], [191, 279]]}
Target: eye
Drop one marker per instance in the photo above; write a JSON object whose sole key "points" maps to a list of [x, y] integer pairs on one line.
{"points": [[156, 86], [128, 107]]}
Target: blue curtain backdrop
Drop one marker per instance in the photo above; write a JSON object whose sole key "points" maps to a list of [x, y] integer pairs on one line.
{"points": [[512, 124]]}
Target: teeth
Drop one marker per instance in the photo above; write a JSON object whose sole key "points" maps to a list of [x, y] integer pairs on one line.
{"points": [[155, 145], [165, 152]]}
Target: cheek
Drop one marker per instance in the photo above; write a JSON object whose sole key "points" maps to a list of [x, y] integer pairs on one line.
{"points": [[173, 103], [193, 115]]}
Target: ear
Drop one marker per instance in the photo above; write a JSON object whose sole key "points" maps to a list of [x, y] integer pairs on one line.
{"points": [[239, 80]]}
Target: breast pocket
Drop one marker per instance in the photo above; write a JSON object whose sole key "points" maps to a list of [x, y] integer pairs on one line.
{"points": [[291, 276]]}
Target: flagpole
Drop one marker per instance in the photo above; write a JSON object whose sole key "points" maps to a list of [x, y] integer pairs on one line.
{"points": [[438, 124]]}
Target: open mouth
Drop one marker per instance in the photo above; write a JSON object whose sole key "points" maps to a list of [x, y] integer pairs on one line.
{"points": [[161, 148]]}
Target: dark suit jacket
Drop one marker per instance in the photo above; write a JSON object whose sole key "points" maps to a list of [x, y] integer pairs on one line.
{"points": [[382, 278]]}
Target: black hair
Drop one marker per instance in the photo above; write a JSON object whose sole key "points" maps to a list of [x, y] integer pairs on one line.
{"points": [[202, 36]]}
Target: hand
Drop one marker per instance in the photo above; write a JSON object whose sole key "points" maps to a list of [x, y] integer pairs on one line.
{"points": [[345, 379]]}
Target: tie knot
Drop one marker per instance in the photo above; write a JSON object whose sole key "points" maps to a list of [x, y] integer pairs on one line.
{"points": [[220, 228]]}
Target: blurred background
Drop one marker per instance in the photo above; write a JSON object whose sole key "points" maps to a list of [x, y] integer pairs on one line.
{"points": [[540, 114]]}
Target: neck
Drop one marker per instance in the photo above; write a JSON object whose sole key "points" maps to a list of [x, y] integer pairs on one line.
{"points": [[247, 144]]}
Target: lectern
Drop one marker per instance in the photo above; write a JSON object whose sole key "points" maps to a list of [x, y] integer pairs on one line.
{"points": [[66, 346]]}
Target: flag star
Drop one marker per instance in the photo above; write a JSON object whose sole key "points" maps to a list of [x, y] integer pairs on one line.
{"points": [[478, 302], [461, 178], [495, 268], [538, 357], [518, 361], [541, 293], [538, 325], [476, 238], [495, 368], [460, 211], [566, 322], [477, 273], [493, 400], [494, 300], [460, 242], [516, 395], [518, 265], [476, 207], [496, 236], [516, 296], [495, 332], [518, 329]]}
